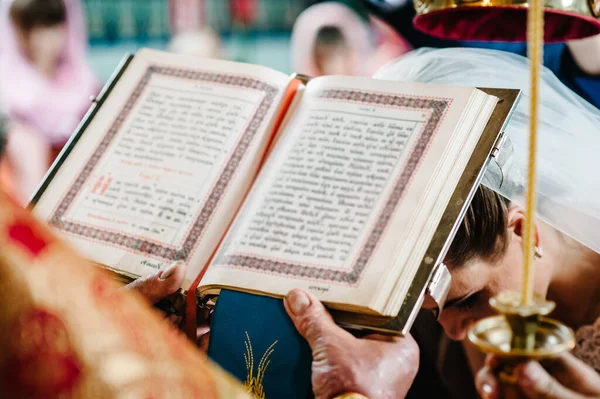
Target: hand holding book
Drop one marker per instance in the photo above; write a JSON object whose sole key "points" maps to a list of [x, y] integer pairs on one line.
{"points": [[160, 284], [376, 366]]}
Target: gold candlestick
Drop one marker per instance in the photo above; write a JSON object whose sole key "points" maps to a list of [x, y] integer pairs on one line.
{"points": [[519, 333]]}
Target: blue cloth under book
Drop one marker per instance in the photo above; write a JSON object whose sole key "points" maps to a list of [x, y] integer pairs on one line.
{"points": [[253, 338]]}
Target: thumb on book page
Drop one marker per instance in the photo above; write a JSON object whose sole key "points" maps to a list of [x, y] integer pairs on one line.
{"points": [[160, 284]]}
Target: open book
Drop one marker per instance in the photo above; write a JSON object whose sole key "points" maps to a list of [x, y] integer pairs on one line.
{"points": [[347, 187]]}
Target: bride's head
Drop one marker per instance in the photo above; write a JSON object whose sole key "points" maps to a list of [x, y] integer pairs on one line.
{"points": [[486, 258]]}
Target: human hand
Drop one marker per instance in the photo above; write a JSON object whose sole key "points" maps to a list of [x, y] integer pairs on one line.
{"points": [[160, 285], [565, 377], [164, 283], [376, 366]]}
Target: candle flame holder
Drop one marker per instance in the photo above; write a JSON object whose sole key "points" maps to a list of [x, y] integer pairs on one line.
{"points": [[518, 334]]}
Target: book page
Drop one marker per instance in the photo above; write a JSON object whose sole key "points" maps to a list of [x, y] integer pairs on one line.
{"points": [[341, 188], [160, 172]]}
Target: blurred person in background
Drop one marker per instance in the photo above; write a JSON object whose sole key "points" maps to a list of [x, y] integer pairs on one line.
{"points": [[203, 43], [340, 38], [45, 81]]}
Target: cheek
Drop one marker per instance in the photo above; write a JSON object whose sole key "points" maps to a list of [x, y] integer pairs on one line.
{"points": [[506, 275], [23, 43], [456, 322], [49, 42]]}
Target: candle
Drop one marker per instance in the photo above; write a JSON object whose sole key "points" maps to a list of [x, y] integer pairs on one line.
{"points": [[535, 41]]}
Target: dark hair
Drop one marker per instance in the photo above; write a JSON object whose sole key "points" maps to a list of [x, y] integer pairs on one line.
{"points": [[27, 14], [330, 36], [483, 232]]}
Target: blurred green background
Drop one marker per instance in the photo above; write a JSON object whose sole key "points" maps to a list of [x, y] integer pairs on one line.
{"points": [[120, 26]]}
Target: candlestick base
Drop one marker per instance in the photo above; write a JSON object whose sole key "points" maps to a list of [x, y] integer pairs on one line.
{"points": [[518, 334]]}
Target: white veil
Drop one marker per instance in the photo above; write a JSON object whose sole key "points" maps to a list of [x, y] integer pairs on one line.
{"points": [[568, 139]]}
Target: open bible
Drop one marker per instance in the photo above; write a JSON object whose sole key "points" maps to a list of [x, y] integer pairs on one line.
{"points": [[348, 187]]}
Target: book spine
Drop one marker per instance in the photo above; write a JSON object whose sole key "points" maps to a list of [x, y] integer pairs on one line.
{"points": [[192, 293]]}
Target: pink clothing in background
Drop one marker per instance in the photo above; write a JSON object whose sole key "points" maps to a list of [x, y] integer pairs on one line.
{"points": [[51, 107], [29, 157], [373, 43]]}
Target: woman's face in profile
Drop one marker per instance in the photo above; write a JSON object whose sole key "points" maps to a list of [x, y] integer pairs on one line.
{"points": [[474, 283]]}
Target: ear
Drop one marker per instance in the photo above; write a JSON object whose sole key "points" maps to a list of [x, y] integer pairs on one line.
{"points": [[516, 223]]}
